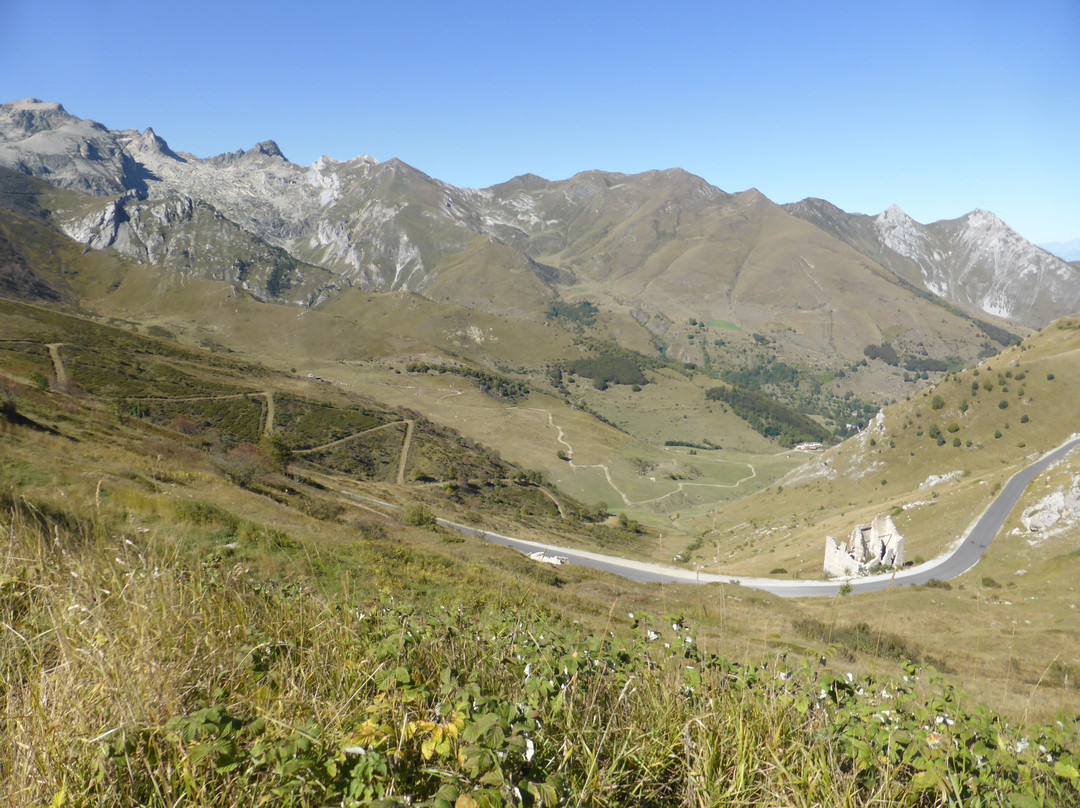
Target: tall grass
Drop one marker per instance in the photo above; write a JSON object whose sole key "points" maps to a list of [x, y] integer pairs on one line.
{"points": [[131, 674]]}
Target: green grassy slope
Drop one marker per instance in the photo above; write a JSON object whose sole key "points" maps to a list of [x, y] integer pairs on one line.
{"points": [[189, 617]]}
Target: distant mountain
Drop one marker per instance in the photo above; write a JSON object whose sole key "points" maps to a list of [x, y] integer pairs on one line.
{"points": [[977, 261], [664, 248], [1065, 250]]}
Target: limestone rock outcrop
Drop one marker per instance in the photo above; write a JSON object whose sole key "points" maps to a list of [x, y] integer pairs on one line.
{"points": [[878, 544]]}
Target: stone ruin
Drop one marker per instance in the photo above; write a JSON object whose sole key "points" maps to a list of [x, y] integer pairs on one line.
{"points": [[877, 544]]}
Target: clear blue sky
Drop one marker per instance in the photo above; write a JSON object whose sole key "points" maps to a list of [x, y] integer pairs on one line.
{"points": [[939, 106]]}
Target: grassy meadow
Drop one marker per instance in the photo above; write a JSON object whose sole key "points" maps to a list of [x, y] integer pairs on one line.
{"points": [[193, 611]]}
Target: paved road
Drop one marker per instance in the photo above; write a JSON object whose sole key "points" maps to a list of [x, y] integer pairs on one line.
{"points": [[959, 560]]}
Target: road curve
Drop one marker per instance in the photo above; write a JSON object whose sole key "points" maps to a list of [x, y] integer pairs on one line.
{"points": [[960, 559]]}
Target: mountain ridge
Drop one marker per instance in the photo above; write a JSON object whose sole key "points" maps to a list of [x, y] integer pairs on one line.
{"points": [[975, 261], [663, 247], [387, 225]]}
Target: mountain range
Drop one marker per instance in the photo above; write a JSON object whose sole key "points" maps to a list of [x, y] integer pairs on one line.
{"points": [[268, 223]]}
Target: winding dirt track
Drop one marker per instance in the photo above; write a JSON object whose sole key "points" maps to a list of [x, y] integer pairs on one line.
{"points": [[561, 439], [58, 364], [405, 446], [269, 426]]}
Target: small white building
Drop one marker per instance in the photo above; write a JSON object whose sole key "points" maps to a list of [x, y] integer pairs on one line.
{"points": [[876, 544]]}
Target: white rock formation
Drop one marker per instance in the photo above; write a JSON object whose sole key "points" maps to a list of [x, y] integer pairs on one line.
{"points": [[876, 544], [1055, 513]]}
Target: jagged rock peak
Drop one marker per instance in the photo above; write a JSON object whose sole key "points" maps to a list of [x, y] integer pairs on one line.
{"points": [[268, 148], [151, 141], [985, 220], [894, 215]]}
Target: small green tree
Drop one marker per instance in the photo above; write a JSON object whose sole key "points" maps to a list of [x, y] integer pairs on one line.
{"points": [[278, 450], [419, 515], [39, 380]]}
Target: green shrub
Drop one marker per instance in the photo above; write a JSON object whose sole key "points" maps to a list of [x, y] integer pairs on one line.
{"points": [[418, 515]]}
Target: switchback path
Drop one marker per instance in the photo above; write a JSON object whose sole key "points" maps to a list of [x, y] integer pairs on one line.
{"points": [[268, 428], [348, 438], [561, 439], [58, 364], [405, 446], [967, 552]]}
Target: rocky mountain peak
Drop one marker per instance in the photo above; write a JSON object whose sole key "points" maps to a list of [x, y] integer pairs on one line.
{"points": [[894, 216], [984, 220], [30, 116], [267, 148], [150, 141]]}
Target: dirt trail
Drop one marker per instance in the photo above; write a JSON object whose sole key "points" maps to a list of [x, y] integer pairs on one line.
{"points": [[680, 487], [405, 451], [348, 438], [560, 438], [222, 397], [269, 427], [58, 365], [553, 498], [406, 445]]}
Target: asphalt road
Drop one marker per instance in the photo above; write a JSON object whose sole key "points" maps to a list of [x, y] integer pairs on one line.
{"points": [[960, 559]]}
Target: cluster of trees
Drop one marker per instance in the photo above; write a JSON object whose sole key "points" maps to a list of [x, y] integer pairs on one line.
{"points": [[583, 313], [925, 365], [916, 364], [998, 334], [705, 444], [885, 352], [491, 383], [778, 374], [768, 417], [609, 369]]}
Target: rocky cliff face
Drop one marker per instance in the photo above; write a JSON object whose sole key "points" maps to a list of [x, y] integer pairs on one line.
{"points": [[977, 261], [663, 236]]}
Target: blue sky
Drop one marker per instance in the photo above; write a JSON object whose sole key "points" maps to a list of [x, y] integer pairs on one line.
{"points": [[939, 107]]}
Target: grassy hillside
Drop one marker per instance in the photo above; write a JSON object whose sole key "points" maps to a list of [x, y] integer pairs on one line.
{"points": [[189, 617], [938, 455]]}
